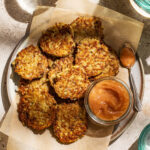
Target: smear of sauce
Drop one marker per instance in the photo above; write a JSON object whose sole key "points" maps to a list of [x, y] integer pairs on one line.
{"points": [[109, 100], [127, 57]]}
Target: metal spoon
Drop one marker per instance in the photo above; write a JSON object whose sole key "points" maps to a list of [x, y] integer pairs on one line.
{"points": [[129, 64]]}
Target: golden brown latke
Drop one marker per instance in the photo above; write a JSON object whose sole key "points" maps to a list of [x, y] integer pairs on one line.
{"points": [[36, 87], [58, 40], [112, 67], [70, 123], [58, 66], [37, 111], [92, 56], [71, 83], [37, 107], [86, 26], [30, 63]]}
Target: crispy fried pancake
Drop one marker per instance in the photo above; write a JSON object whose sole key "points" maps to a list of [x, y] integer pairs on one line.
{"points": [[30, 63], [70, 123], [58, 40], [86, 26]]}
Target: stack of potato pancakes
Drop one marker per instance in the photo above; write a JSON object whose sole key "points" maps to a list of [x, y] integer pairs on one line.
{"points": [[56, 73]]}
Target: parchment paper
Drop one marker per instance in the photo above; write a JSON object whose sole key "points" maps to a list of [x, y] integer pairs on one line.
{"points": [[118, 29]]}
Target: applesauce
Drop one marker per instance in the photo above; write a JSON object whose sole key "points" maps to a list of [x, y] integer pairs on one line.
{"points": [[109, 100]]}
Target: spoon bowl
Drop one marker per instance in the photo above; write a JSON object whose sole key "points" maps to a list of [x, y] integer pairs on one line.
{"points": [[127, 56]]}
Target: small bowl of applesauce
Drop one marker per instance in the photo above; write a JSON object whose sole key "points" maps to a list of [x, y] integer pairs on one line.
{"points": [[108, 101]]}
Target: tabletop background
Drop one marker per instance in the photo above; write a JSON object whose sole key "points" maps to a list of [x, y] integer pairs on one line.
{"points": [[13, 24]]}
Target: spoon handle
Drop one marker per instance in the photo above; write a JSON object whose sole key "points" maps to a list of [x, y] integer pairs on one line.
{"points": [[137, 102]]}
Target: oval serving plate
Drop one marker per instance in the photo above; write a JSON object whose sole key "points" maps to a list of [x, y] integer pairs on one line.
{"points": [[137, 71]]}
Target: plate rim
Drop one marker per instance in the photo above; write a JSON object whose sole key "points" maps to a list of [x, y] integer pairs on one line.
{"points": [[113, 137]]}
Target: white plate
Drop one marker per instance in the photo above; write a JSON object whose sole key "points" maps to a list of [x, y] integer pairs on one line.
{"points": [[137, 71]]}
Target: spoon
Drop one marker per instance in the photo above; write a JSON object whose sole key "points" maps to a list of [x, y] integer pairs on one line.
{"points": [[127, 58]]}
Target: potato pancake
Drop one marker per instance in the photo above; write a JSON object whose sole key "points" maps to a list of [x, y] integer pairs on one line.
{"points": [[112, 67], [92, 56], [86, 26], [30, 63], [37, 112], [71, 83], [58, 40], [70, 123]]}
